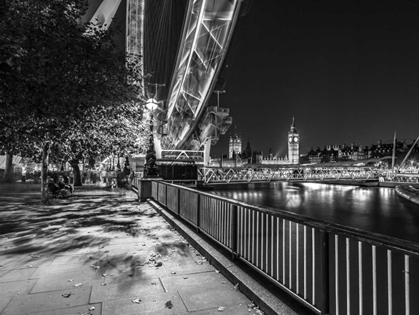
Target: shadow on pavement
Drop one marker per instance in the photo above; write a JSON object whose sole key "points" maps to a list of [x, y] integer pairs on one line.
{"points": [[88, 224]]}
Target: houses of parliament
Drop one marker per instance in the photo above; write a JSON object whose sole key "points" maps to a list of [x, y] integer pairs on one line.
{"points": [[330, 153], [256, 157]]}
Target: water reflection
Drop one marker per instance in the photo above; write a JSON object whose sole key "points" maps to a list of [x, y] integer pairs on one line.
{"points": [[374, 209]]}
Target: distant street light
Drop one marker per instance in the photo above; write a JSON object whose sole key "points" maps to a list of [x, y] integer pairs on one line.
{"points": [[150, 167], [151, 105]]}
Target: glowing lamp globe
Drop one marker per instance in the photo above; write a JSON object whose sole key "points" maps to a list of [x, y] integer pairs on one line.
{"points": [[151, 104]]}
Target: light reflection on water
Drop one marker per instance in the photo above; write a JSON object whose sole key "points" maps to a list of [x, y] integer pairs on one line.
{"points": [[374, 209]]}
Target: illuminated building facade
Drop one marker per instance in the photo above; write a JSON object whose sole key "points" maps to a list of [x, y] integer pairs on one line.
{"points": [[235, 144], [293, 144]]}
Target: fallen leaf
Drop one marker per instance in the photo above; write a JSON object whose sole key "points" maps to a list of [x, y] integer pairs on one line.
{"points": [[169, 304]]}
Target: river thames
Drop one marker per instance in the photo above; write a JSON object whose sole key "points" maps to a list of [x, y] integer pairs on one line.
{"points": [[374, 209]]}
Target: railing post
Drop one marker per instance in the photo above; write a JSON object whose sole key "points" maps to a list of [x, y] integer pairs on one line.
{"points": [[178, 209], [325, 276], [198, 213], [166, 195], [234, 232]]}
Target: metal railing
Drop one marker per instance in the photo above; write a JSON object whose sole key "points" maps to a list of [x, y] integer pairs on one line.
{"points": [[330, 268]]}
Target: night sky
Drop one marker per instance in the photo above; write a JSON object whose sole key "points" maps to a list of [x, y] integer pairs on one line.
{"points": [[346, 70]]}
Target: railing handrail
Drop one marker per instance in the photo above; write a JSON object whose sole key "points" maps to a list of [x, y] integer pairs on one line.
{"points": [[404, 246]]}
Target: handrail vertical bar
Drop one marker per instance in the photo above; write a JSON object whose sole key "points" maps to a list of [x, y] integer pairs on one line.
{"points": [[304, 263], [297, 258], [198, 212], [178, 208], [374, 279], [325, 276], [389, 272], [407, 284], [290, 255], [284, 252], [337, 306], [348, 275], [234, 231], [166, 196], [313, 266], [360, 278]]}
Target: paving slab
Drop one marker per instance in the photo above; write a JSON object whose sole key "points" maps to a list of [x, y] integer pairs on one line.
{"points": [[76, 310], [16, 287], [123, 289], [200, 282], [79, 259], [18, 274], [188, 268], [3, 272], [161, 304], [29, 261], [240, 309], [68, 271], [59, 283], [201, 298], [4, 301], [28, 304]]}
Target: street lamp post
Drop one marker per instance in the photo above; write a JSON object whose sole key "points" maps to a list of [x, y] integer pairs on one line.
{"points": [[150, 167]]}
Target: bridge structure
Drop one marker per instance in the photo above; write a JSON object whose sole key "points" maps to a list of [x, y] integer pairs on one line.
{"points": [[332, 172]]}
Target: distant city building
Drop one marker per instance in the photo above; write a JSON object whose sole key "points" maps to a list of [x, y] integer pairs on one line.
{"points": [[235, 145], [334, 153], [293, 142]]}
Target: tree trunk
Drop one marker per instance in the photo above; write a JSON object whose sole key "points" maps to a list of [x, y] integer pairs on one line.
{"points": [[44, 171], [77, 180], [8, 174]]}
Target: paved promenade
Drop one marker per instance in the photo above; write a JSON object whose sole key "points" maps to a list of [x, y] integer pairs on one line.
{"points": [[102, 252]]}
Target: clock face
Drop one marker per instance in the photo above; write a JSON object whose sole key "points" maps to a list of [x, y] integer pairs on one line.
{"points": [[290, 139], [296, 139]]}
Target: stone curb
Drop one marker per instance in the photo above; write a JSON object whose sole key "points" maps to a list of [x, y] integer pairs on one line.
{"points": [[268, 303]]}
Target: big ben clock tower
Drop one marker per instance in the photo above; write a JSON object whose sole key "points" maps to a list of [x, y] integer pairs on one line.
{"points": [[293, 141]]}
